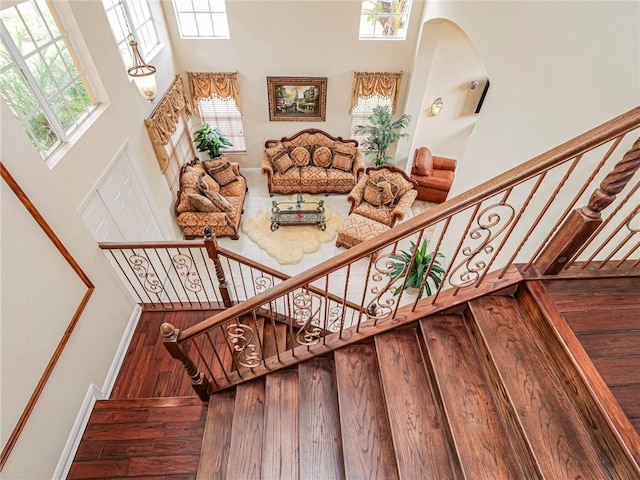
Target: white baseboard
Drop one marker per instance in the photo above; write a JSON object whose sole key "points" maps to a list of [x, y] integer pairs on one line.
{"points": [[93, 394]]}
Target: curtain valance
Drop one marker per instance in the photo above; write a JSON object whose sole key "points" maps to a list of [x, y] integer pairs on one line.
{"points": [[163, 121], [220, 84], [366, 84]]}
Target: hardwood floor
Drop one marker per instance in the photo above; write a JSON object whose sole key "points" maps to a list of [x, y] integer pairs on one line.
{"points": [[605, 316], [147, 369]]}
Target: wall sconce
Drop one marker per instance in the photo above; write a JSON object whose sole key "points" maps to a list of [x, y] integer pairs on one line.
{"points": [[436, 106], [143, 75]]}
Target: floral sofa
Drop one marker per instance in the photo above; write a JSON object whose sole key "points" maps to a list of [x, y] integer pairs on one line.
{"points": [[312, 161], [211, 193]]}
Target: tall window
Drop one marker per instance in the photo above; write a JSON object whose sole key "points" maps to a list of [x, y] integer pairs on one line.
{"points": [[370, 90], [384, 19], [42, 77], [136, 15], [202, 18], [217, 97]]}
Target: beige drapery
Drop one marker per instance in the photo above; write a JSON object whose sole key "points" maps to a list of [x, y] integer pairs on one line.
{"points": [[221, 84], [163, 121], [366, 84]]}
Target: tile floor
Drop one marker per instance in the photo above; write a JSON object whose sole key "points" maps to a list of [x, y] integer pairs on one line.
{"points": [[258, 198]]}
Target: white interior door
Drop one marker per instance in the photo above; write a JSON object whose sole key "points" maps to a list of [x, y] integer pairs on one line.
{"points": [[119, 210]]}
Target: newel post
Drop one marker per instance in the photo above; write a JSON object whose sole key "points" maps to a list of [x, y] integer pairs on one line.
{"points": [[199, 381], [581, 223], [211, 245]]}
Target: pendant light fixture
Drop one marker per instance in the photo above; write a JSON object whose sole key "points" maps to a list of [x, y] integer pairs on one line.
{"points": [[143, 75]]}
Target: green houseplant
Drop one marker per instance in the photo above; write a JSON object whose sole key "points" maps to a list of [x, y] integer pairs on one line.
{"points": [[380, 133], [210, 140], [419, 268]]}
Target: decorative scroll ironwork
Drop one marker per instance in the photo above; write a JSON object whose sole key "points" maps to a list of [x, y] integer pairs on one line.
{"points": [[491, 222], [184, 268], [334, 318], [305, 316], [241, 336], [140, 265], [262, 283], [384, 289]]}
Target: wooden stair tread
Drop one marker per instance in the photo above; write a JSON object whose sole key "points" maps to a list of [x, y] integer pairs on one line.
{"points": [[366, 436], [481, 439], [245, 451], [280, 443], [419, 434], [559, 441], [217, 436], [603, 320], [320, 444]]}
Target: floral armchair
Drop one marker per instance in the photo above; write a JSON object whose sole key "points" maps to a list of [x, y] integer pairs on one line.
{"points": [[382, 197]]}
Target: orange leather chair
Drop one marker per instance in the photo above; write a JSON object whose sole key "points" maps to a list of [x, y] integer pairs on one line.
{"points": [[433, 174]]}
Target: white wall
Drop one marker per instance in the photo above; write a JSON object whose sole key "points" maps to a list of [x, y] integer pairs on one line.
{"points": [[557, 69], [33, 321], [294, 38]]}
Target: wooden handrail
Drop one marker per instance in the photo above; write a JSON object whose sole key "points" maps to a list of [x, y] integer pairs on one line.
{"points": [[517, 175]]}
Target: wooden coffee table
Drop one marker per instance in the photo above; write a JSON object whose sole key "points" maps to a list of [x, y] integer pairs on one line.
{"points": [[297, 213]]}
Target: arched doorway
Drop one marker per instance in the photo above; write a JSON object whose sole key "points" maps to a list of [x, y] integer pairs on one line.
{"points": [[447, 66]]}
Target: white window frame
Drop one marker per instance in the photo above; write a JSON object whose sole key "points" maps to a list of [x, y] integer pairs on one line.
{"points": [[370, 27], [180, 150], [223, 113], [363, 109], [42, 101], [202, 18], [140, 20]]}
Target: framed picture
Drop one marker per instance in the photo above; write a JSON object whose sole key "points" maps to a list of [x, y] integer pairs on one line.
{"points": [[297, 99]]}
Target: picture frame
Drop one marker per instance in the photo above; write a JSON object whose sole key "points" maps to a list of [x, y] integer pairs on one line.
{"points": [[297, 99]]}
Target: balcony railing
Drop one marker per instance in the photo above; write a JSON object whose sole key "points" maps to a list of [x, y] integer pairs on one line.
{"points": [[571, 210]]}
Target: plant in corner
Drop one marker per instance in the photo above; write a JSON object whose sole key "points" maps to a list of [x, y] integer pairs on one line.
{"points": [[380, 133], [419, 268], [210, 140]]}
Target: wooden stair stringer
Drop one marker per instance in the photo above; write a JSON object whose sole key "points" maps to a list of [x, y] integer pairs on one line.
{"points": [[559, 440], [595, 397], [404, 315]]}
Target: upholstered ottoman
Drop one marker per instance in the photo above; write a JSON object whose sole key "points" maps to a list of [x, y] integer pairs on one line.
{"points": [[357, 229]]}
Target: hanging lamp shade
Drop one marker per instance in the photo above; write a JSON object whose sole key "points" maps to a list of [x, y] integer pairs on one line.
{"points": [[143, 75]]}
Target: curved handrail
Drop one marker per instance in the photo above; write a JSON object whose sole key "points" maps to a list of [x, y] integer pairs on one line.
{"points": [[517, 175]]}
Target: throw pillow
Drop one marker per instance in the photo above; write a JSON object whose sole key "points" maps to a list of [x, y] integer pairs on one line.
{"points": [[221, 203], [208, 183], [282, 162], [223, 174], [342, 161], [340, 147], [322, 157], [389, 191], [372, 194], [300, 156], [190, 177], [202, 203], [275, 150], [215, 163]]}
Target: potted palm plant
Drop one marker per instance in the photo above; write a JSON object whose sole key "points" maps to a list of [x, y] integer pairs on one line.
{"points": [[380, 133], [210, 140], [419, 268]]}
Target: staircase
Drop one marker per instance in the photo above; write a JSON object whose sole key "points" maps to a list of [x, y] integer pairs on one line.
{"points": [[480, 393]]}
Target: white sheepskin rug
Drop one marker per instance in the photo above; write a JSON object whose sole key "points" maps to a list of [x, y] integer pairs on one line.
{"points": [[289, 243]]}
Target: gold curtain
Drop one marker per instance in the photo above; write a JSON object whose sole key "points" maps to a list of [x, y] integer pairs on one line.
{"points": [[366, 84], [221, 84], [163, 121]]}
